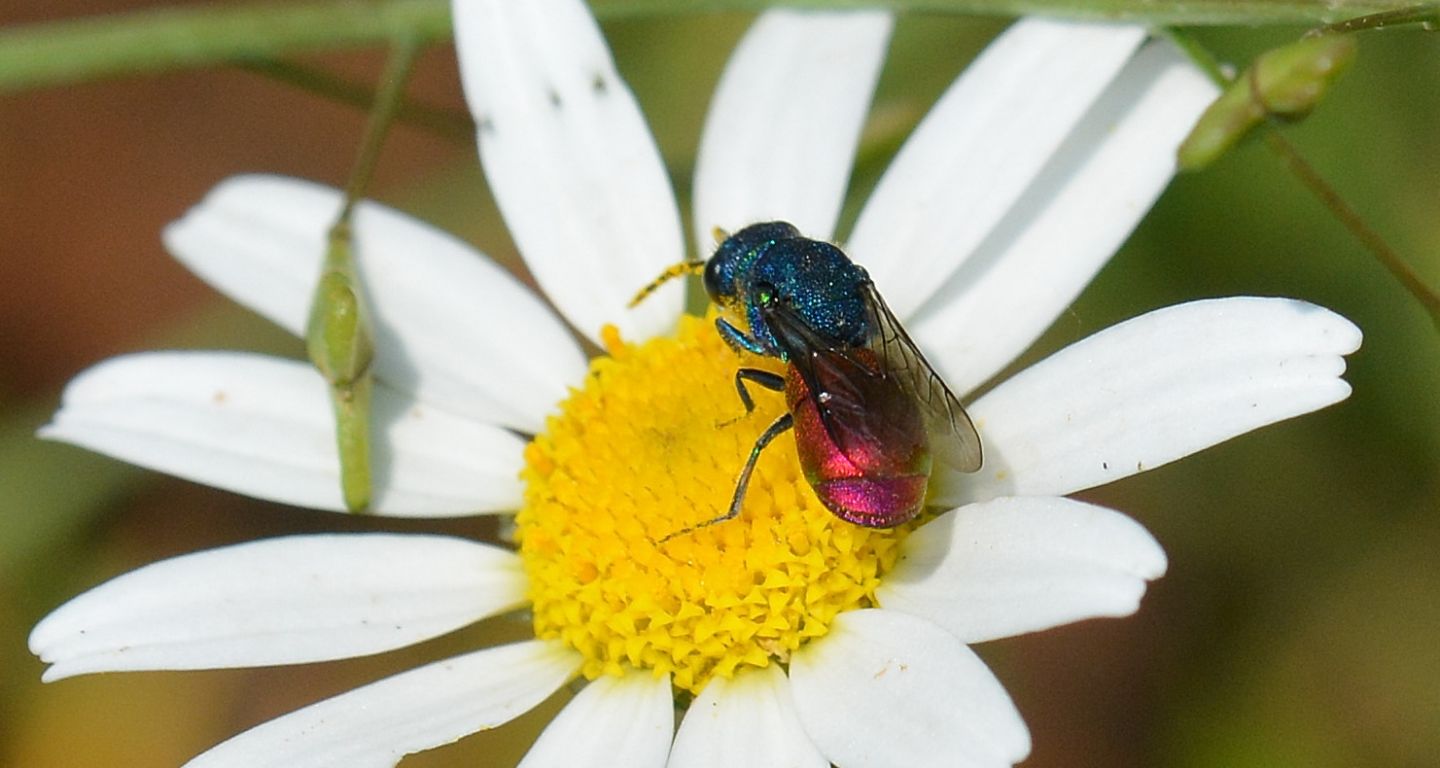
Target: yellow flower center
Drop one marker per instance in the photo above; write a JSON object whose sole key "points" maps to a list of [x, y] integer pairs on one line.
{"points": [[650, 446]]}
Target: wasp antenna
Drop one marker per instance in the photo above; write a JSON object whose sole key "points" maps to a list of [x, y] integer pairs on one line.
{"points": [[671, 272], [719, 234]]}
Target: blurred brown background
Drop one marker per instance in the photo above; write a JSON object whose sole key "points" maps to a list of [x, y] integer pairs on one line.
{"points": [[1299, 623]]}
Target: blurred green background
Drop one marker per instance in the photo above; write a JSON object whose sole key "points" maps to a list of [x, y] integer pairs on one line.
{"points": [[1299, 623]]}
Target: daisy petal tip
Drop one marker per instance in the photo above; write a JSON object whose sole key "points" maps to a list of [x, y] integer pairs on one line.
{"points": [[234, 195], [41, 636], [1320, 341], [1342, 389], [67, 668], [60, 430], [1328, 331], [92, 384], [1132, 549], [246, 187], [48, 641], [1015, 565], [1013, 745], [1347, 335], [1156, 566], [65, 427], [1154, 389]]}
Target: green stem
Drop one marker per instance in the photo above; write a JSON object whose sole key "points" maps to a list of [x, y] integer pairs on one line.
{"points": [[168, 39], [1149, 12], [447, 124], [1368, 237], [1320, 188], [1198, 54], [179, 38], [387, 102], [1426, 13], [340, 337]]}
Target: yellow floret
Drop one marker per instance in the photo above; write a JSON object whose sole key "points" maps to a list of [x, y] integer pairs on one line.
{"points": [[650, 446]]}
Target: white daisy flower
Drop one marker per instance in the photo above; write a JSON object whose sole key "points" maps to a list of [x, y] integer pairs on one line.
{"points": [[802, 639]]}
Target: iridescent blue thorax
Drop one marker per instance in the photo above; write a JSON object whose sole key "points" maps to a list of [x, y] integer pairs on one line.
{"points": [[772, 262]]}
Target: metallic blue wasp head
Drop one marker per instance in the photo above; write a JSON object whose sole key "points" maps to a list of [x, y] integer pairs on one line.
{"points": [[772, 262], [733, 258]]}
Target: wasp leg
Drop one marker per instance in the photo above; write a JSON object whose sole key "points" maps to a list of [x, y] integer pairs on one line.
{"points": [[737, 339], [771, 381], [766, 379], [741, 483]]}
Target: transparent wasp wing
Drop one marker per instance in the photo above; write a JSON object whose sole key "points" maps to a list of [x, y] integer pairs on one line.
{"points": [[865, 411], [953, 438]]}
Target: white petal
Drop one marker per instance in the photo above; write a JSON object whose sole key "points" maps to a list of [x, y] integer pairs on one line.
{"points": [[614, 721], [746, 720], [978, 150], [376, 725], [1066, 225], [280, 601], [263, 427], [782, 128], [1015, 565], [1152, 390], [450, 326], [570, 161], [886, 689]]}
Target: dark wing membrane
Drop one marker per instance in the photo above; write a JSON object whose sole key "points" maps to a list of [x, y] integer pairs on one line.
{"points": [[953, 438], [864, 410]]}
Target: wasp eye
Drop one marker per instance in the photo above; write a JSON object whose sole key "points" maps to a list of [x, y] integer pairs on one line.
{"points": [[717, 284]]}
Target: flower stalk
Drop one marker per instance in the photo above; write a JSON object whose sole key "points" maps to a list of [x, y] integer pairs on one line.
{"points": [[168, 39], [447, 124], [1285, 83], [339, 336], [1303, 71]]}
